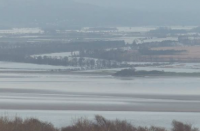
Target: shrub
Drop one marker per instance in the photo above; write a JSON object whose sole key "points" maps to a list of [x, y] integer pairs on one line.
{"points": [[98, 124], [102, 124], [25, 125], [178, 126]]}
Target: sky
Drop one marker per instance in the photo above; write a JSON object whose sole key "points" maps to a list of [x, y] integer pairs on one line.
{"points": [[146, 4], [99, 12]]}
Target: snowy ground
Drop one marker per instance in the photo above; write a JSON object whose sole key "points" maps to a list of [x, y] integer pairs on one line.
{"points": [[59, 55], [13, 66], [22, 31]]}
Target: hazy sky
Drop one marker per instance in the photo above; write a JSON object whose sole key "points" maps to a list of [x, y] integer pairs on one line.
{"points": [[147, 4], [99, 12]]}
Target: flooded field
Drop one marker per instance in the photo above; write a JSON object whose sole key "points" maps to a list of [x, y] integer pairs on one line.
{"points": [[67, 97]]}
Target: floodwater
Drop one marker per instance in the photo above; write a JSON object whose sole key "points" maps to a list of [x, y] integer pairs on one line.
{"points": [[62, 98]]}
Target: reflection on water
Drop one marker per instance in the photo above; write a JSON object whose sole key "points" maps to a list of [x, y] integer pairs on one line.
{"points": [[40, 95]]}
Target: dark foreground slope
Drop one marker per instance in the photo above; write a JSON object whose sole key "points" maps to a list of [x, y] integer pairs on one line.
{"points": [[98, 124]]}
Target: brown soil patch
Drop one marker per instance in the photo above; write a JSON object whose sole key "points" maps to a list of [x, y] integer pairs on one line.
{"points": [[191, 52]]}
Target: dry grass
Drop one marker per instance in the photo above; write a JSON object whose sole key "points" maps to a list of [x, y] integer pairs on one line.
{"points": [[178, 126], [102, 124], [192, 52], [25, 125], [98, 124]]}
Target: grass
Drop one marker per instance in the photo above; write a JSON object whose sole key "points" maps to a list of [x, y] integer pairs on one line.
{"points": [[98, 124]]}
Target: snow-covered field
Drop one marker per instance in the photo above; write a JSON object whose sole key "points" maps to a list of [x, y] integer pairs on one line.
{"points": [[22, 31], [141, 29], [59, 55], [12, 66], [148, 28], [135, 29], [141, 40], [176, 67]]}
